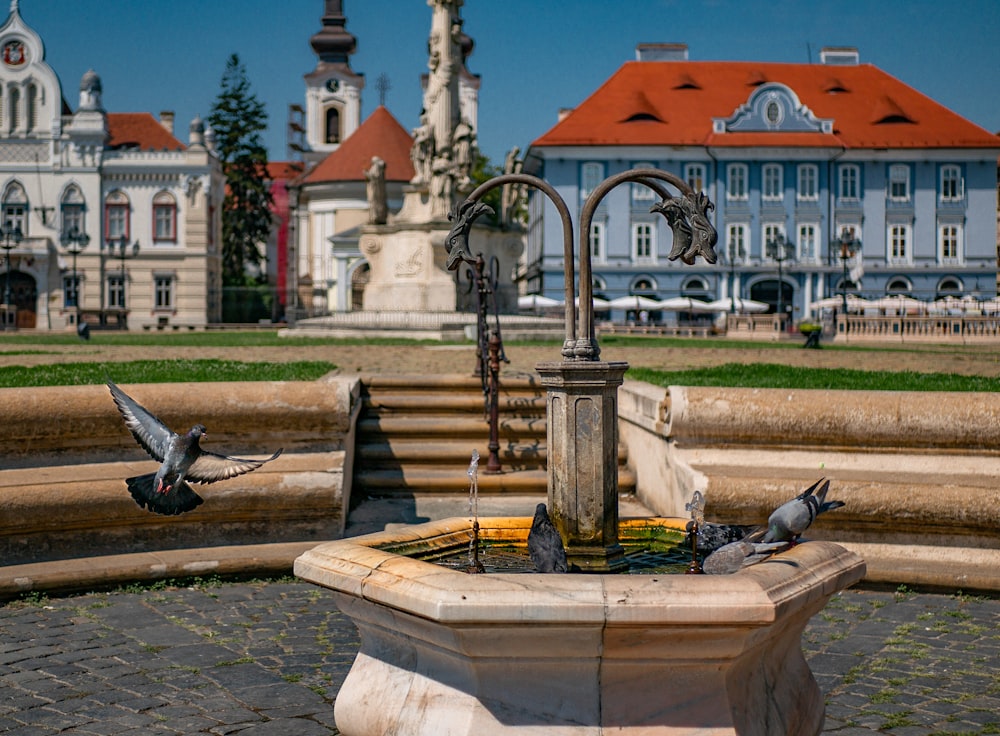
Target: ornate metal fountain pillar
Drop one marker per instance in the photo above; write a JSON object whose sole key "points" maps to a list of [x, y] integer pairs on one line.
{"points": [[582, 401]]}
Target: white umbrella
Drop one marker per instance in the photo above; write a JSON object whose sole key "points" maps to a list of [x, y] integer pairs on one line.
{"points": [[742, 305], [598, 303], [900, 304], [684, 304], [635, 301], [991, 306], [854, 303], [536, 301]]}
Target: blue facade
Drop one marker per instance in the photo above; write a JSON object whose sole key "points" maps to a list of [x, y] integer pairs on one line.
{"points": [[923, 219]]}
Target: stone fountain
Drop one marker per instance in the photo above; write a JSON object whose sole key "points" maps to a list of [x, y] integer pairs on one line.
{"points": [[591, 652]]}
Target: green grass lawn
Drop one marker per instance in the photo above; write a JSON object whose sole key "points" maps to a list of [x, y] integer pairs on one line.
{"points": [[770, 375], [160, 371]]}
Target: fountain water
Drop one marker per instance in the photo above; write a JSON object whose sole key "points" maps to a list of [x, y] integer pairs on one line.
{"points": [[443, 652]]}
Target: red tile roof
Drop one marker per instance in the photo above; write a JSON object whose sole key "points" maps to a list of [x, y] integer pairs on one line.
{"points": [[140, 130], [380, 135], [674, 102], [283, 170]]}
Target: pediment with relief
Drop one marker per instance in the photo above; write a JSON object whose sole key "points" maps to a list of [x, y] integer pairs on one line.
{"points": [[772, 107]]}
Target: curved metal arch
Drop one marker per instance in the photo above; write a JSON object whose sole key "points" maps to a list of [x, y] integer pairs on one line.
{"points": [[466, 212]]}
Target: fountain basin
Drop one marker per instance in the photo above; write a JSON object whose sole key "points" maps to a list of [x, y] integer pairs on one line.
{"points": [[448, 653]]}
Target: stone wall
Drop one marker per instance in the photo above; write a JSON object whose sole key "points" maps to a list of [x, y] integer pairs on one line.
{"points": [[65, 452], [919, 471]]}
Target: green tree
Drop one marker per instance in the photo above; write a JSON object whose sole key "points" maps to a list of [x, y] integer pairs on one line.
{"points": [[238, 118]]}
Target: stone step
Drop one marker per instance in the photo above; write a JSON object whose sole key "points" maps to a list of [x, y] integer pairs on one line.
{"points": [[519, 404], [457, 451], [430, 426], [421, 479]]}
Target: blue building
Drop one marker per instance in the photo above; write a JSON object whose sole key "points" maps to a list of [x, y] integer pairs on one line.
{"points": [[836, 174]]}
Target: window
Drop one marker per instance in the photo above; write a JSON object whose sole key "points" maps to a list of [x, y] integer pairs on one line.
{"points": [[71, 290], [850, 180], [116, 216], [15, 208], [899, 183], [736, 243], [332, 125], [72, 207], [15, 112], [808, 187], [950, 243], [899, 243], [643, 242], [164, 218], [736, 182], [597, 251], [773, 186], [163, 292], [694, 175], [116, 291], [899, 285], [952, 186], [591, 174], [31, 115], [809, 243], [640, 192], [771, 233]]}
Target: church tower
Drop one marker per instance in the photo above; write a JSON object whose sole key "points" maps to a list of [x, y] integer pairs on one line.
{"points": [[333, 90]]}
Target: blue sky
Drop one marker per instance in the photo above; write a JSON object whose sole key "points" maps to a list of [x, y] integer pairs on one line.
{"points": [[534, 56]]}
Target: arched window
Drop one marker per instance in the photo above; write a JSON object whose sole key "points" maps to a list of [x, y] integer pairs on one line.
{"points": [[72, 208], [644, 286], [949, 286], [116, 216], [898, 285], [164, 218], [14, 103], [15, 208], [31, 108], [332, 125]]}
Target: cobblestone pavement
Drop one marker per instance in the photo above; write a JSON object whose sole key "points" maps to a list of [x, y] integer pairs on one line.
{"points": [[267, 659]]}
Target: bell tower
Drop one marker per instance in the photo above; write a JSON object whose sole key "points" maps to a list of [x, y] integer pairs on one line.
{"points": [[333, 90]]}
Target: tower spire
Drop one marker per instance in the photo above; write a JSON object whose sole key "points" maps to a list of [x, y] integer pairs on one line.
{"points": [[333, 44]]}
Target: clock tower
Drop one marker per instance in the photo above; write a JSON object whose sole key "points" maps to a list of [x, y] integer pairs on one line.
{"points": [[333, 90]]}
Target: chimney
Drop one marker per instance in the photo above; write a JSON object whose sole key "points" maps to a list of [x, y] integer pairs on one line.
{"points": [[564, 112], [661, 52], [167, 120], [839, 56]]}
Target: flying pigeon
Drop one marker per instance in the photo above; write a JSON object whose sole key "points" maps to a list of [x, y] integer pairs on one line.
{"points": [[735, 555], [792, 518], [166, 491], [545, 546]]}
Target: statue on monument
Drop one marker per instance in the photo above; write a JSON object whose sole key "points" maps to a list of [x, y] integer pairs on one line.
{"points": [[511, 195], [378, 207]]}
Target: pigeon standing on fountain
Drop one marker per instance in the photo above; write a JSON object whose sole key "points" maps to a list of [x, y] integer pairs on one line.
{"points": [[545, 546], [166, 491], [791, 519], [735, 555]]}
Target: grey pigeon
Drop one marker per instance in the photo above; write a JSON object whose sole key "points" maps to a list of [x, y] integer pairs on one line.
{"points": [[735, 555], [166, 491], [712, 536], [545, 546], [792, 518]]}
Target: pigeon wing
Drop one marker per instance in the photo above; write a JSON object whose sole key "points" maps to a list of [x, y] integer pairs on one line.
{"points": [[152, 435], [210, 467]]}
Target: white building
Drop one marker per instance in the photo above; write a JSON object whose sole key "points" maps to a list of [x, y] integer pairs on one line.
{"points": [[106, 217]]}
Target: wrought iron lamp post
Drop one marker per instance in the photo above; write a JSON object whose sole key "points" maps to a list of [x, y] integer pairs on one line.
{"points": [[74, 242], [10, 238], [121, 243], [848, 247], [779, 250]]}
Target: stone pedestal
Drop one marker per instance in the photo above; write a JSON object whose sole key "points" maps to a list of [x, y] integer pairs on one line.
{"points": [[582, 442]]}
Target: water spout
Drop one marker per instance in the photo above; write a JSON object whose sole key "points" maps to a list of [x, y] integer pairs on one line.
{"points": [[474, 566]]}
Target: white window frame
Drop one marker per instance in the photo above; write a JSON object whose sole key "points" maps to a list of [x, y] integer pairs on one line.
{"points": [[116, 290], [849, 183], [899, 174], [772, 183], [769, 231], [737, 234], [808, 233], [640, 192], [807, 183], [694, 175], [951, 184], [948, 232], [737, 189], [598, 241], [643, 242], [899, 244], [591, 174], [71, 289]]}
